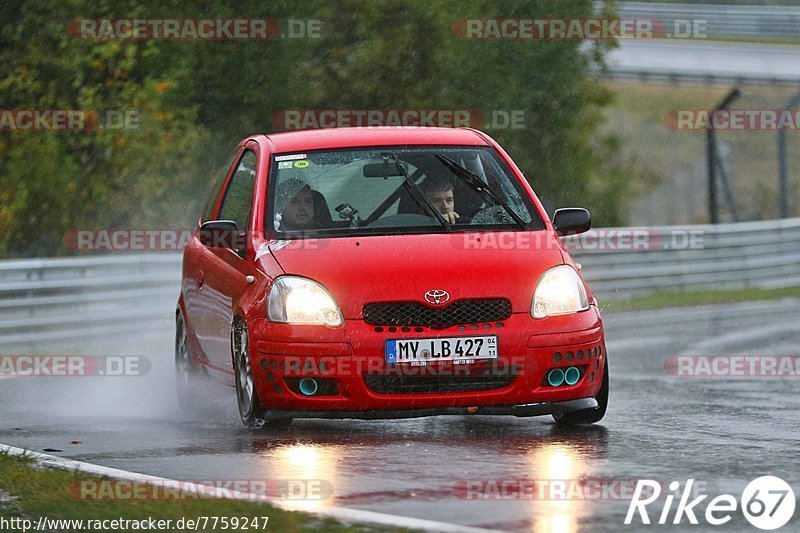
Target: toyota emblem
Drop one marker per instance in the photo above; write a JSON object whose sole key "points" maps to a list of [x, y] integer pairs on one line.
{"points": [[437, 296]]}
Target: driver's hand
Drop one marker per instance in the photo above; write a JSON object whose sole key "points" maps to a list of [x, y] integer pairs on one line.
{"points": [[451, 217]]}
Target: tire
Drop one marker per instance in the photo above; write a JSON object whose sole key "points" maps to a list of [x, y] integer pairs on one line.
{"points": [[589, 416], [250, 409], [187, 374]]}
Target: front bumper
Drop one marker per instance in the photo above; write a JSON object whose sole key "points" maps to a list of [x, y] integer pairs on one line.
{"points": [[346, 358], [535, 409]]}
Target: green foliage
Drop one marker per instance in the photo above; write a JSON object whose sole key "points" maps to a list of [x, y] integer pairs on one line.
{"points": [[196, 99], [406, 55], [57, 181], [51, 493]]}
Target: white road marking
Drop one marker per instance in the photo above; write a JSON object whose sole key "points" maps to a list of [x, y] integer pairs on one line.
{"points": [[352, 516]]}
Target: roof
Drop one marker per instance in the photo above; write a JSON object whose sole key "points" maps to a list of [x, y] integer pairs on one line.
{"points": [[372, 136]]}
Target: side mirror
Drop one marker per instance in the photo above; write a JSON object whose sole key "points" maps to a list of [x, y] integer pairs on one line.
{"points": [[571, 221], [222, 234]]}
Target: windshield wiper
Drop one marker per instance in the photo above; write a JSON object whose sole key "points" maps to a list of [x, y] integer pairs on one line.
{"points": [[415, 191], [472, 179]]}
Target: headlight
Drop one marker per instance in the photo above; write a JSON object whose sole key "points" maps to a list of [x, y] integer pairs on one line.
{"points": [[559, 291], [294, 300]]}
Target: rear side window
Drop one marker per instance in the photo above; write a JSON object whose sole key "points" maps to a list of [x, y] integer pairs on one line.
{"points": [[239, 196]]}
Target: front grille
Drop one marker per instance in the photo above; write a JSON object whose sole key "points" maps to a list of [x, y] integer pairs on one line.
{"points": [[417, 314], [399, 384]]}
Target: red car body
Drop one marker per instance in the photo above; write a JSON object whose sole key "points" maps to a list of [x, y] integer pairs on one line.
{"points": [[223, 287]]}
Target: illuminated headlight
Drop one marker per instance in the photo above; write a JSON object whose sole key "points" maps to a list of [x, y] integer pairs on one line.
{"points": [[295, 300], [559, 291]]}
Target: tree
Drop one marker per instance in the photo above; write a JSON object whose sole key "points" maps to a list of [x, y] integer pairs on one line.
{"points": [[195, 99]]}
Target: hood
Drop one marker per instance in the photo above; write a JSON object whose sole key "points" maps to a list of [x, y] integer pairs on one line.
{"points": [[360, 270]]}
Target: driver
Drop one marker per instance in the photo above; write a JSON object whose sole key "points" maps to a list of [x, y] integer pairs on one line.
{"points": [[440, 192], [294, 206]]}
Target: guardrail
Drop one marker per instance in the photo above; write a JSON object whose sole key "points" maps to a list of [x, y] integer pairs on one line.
{"points": [[747, 254], [71, 298], [43, 300], [776, 22]]}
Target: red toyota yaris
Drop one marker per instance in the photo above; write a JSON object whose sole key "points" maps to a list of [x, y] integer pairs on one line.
{"points": [[386, 273]]}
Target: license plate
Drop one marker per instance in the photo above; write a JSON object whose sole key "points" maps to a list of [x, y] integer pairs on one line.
{"points": [[460, 349]]}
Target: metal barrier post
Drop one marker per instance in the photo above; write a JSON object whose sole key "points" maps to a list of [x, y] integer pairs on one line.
{"points": [[783, 173], [711, 154]]}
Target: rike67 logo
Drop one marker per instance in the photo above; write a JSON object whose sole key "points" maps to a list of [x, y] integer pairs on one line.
{"points": [[767, 503]]}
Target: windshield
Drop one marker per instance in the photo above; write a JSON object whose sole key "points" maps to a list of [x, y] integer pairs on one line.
{"points": [[395, 190]]}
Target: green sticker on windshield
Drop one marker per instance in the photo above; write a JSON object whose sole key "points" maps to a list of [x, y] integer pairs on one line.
{"points": [[300, 164]]}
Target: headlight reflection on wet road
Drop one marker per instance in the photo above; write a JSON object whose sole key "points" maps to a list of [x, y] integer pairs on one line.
{"points": [[558, 463], [310, 474]]}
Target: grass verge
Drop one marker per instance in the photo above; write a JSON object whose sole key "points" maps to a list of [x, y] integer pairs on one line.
{"points": [[44, 492], [688, 299]]}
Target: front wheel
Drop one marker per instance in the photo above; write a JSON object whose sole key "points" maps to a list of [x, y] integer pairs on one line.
{"points": [[589, 416], [250, 408]]}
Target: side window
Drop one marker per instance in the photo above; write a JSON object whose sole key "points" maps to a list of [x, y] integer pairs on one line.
{"points": [[238, 197], [212, 200]]}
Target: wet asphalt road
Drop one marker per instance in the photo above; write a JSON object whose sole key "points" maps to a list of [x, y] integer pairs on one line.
{"points": [[705, 59], [721, 432]]}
